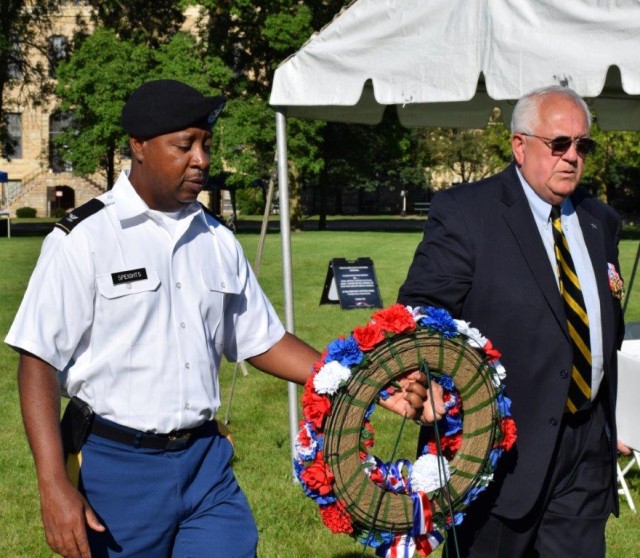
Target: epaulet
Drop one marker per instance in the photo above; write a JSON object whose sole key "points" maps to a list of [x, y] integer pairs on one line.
{"points": [[79, 214], [216, 217]]}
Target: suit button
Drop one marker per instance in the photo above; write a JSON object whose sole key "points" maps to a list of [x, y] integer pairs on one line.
{"points": [[564, 373], [553, 422]]}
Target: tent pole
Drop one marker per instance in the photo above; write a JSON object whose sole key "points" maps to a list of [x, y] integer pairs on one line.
{"points": [[287, 275]]}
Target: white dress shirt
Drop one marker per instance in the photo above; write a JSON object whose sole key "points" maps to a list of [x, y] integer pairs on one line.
{"points": [[136, 319], [583, 265]]}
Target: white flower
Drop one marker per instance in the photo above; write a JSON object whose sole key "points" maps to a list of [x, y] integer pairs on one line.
{"points": [[427, 476], [476, 339], [499, 373], [369, 464], [330, 377]]}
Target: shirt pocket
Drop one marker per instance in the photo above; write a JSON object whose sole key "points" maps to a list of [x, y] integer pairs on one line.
{"points": [[220, 289], [220, 281], [131, 308]]}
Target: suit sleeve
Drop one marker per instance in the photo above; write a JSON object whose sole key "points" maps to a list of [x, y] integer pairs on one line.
{"points": [[442, 269]]}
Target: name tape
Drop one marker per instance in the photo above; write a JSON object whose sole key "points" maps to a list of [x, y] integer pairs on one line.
{"points": [[129, 276]]}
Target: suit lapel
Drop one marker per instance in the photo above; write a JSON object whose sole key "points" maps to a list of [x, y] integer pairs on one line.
{"points": [[520, 220]]}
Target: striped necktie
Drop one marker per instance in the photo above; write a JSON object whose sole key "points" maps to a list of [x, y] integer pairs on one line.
{"points": [[579, 397]]}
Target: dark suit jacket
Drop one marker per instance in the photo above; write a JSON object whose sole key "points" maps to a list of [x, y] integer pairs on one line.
{"points": [[483, 260]]}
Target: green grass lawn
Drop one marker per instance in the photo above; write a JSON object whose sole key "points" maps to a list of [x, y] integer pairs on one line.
{"points": [[289, 523]]}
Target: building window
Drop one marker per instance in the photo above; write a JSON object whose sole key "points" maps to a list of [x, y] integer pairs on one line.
{"points": [[57, 52], [58, 122], [14, 62], [13, 147]]}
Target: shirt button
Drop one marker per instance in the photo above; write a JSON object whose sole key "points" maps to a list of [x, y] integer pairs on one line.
{"points": [[223, 285], [129, 286], [179, 285], [553, 422], [187, 407], [183, 325], [564, 373], [187, 365]]}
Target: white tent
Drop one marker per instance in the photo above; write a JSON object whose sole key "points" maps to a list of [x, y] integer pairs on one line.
{"points": [[449, 63]]}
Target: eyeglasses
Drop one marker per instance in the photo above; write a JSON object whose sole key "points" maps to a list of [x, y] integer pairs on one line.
{"points": [[562, 144]]}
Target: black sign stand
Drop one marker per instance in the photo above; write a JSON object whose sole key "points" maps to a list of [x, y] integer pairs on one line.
{"points": [[351, 284]]}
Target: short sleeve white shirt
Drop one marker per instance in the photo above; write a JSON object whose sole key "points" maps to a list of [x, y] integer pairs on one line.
{"points": [[136, 319]]}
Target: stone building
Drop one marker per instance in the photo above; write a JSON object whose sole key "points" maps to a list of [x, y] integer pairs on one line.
{"points": [[36, 175]]}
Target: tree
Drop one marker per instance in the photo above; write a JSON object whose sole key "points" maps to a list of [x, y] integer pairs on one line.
{"points": [[93, 86], [101, 75], [612, 169], [465, 155], [24, 27], [139, 21], [252, 40]]}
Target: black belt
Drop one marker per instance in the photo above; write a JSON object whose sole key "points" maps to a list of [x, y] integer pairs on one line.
{"points": [[178, 439]]}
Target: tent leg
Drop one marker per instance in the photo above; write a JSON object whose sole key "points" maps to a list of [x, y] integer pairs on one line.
{"points": [[287, 276]]}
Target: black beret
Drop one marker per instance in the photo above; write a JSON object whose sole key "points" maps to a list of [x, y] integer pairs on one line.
{"points": [[166, 105]]}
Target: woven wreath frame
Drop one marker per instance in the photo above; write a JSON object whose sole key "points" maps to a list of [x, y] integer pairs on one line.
{"points": [[367, 503]]}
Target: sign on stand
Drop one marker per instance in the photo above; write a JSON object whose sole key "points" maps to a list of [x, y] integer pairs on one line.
{"points": [[352, 284]]}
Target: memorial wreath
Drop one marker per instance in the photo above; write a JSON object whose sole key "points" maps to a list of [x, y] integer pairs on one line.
{"points": [[401, 507]]}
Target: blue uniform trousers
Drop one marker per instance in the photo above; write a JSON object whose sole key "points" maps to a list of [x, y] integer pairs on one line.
{"points": [[182, 503]]}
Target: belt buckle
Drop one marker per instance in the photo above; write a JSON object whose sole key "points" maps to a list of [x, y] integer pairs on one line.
{"points": [[177, 440]]}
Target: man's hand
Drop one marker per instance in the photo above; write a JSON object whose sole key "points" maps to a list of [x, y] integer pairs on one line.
{"points": [[623, 448], [66, 515], [413, 399]]}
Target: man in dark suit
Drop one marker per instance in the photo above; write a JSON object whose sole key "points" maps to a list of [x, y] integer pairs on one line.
{"points": [[489, 257]]}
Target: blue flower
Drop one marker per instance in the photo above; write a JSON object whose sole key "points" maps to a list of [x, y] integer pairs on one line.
{"points": [[450, 425], [504, 403], [446, 382], [494, 455], [376, 539], [441, 321], [346, 351], [369, 411]]}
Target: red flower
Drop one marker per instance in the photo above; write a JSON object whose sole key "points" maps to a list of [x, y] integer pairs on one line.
{"points": [[449, 445], [491, 352], [336, 518], [320, 363], [368, 434], [303, 436], [377, 476], [315, 407], [368, 336], [318, 476], [395, 319], [509, 431]]}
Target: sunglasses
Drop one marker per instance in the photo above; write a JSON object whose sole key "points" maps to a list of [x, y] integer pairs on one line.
{"points": [[561, 144]]}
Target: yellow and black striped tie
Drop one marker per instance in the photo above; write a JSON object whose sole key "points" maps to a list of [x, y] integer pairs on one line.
{"points": [[577, 320]]}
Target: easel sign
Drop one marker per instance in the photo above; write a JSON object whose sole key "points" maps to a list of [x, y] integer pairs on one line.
{"points": [[352, 284]]}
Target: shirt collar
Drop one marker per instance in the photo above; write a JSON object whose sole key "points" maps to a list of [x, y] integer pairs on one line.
{"points": [[540, 208], [131, 205]]}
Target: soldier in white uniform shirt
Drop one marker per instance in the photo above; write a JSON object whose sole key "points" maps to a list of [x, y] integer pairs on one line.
{"points": [[135, 298]]}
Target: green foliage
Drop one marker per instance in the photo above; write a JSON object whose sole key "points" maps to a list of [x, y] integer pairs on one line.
{"points": [[94, 85], [139, 21], [250, 201], [613, 169], [26, 212], [466, 154], [102, 74], [184, 59]]}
